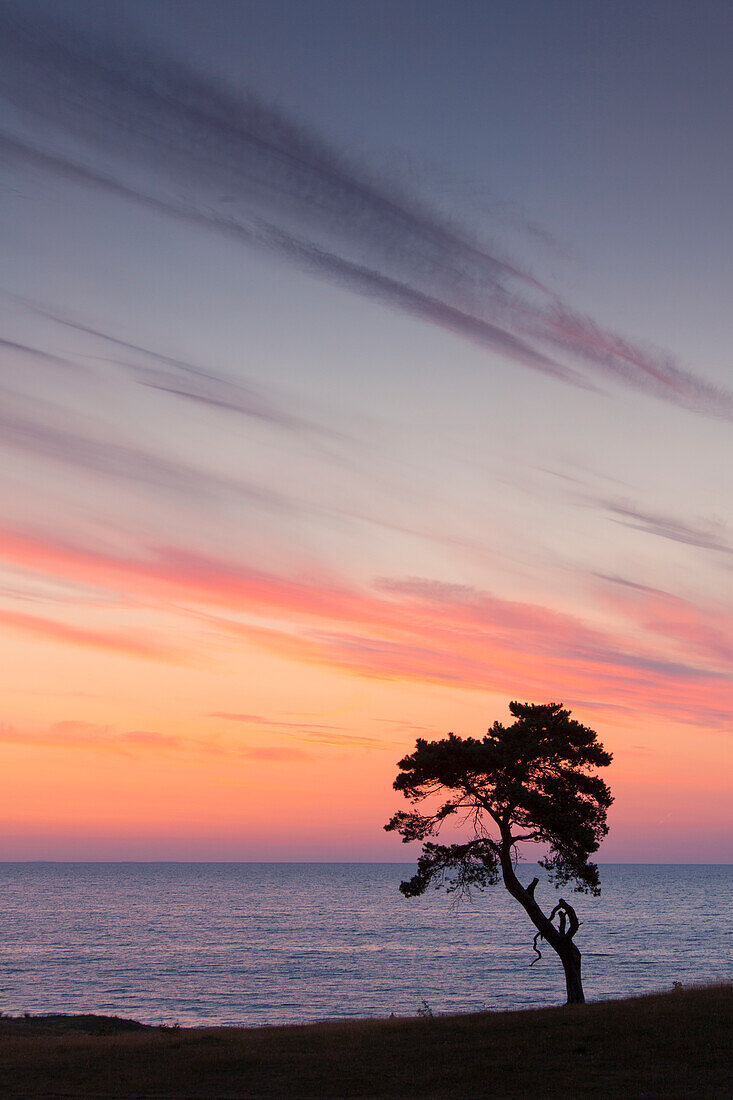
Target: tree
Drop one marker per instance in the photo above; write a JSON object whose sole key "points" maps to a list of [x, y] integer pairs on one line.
{"points": [[530, 782]]}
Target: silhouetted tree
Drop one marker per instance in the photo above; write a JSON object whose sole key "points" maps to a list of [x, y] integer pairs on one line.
{"points": [[530, 782]]}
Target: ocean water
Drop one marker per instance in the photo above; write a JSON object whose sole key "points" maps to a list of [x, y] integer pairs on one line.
{"points": [[270, 943]]}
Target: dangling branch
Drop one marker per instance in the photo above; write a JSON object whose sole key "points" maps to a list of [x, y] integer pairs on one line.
{"points": [[537, 950]]}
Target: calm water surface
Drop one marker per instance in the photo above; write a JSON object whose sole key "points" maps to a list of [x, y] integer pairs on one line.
{"points": [[269, 943]]}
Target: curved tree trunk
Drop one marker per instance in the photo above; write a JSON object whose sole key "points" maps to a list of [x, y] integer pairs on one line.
{"points": [[560, 939]]}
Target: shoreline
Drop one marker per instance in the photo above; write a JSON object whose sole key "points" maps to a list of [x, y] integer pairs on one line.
{"points": [[101, 1023]]}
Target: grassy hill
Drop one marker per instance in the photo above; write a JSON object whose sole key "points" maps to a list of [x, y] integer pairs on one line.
{"points": [[668, 1045]]}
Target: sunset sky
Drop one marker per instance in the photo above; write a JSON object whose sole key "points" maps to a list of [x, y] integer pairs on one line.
{"points": [[364, 366]]}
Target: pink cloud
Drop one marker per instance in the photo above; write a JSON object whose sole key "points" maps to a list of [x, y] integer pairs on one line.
{"points": [[429, 632], [73, 734], [118, 642], [706, 631]]}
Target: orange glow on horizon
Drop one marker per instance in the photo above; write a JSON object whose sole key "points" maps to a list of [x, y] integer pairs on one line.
{"points": [[159, 761]]}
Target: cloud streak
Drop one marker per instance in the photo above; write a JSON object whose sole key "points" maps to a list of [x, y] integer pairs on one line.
{"points": [[710, 536], [607, 674], [171, 116], [40, 437], [182, 379], [44, 356], [422, 631], [307, 731], [72, 734], [269, 182], [125, 643], [309, 256], [707, 631]]}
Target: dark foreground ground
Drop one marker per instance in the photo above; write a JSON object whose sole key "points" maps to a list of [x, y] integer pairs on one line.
{"points": [[669, 1045]]}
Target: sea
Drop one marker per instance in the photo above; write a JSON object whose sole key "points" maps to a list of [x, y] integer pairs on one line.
{"points": [[269, 943]]}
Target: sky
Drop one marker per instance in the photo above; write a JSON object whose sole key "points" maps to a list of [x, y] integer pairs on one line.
{"points": [[364, 366]]}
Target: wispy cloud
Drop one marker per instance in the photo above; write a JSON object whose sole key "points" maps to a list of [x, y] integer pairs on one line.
{"points": [[180, 378], [74, 734], [125, 643], [268, 182], [704, 630], [709, 535], [44, 356], [560, 327], [49, 434], [307, 731], [418, 631], [236, 146], [425, 304], [625, 676]]}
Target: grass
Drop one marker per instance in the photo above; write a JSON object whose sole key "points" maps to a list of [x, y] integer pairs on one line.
{"points": [[666, 1045]]}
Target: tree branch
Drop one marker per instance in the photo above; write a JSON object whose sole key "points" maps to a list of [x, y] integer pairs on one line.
{"points": [[572, 919], [567, 915], [482, 801], [538, 936]]}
